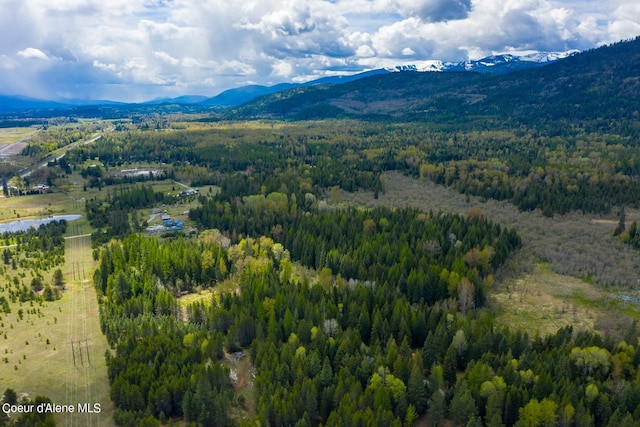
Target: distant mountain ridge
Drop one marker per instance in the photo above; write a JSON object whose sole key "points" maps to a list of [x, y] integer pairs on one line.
{"points": [[237, 96], [496, 64], [600, 85], [9, 103]]}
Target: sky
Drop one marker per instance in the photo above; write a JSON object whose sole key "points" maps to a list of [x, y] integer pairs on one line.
{"points": [[137, 50]]}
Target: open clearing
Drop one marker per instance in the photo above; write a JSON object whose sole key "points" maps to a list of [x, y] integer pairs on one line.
{"points": [[37, 205], [57, 349], [543, 302], [242, 374], [12, 140], [539, 288], [10, 135]]}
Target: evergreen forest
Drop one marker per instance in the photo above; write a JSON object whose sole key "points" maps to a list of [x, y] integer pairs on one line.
{"points": [[240, 283]]}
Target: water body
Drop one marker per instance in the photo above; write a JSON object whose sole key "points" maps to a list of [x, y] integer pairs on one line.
{"points": [[25, 224]]}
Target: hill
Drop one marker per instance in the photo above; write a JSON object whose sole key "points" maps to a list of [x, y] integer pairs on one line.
{"points": [[597, 85], [13, 103]]}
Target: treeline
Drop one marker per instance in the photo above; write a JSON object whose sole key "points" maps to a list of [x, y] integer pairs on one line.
{"points": [[42, 143], [28, 418], [141, 277], [554, 170], [294, 161], [632, 235], [110, 217], [162, 367], [39, 248]]}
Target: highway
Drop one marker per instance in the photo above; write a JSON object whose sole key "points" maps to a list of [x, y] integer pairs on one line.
{"points": [[55, 155]]}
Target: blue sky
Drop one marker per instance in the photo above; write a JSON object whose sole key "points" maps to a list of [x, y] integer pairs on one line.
{"points": [[135, 50]]}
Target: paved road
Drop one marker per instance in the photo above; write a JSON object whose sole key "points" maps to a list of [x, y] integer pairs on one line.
{"points": [[55, 155]]}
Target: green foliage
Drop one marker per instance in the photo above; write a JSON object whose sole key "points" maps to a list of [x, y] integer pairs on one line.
{"points": [[345, 313], [535, 414], [111, 218], [38, 249], [335, 240], [304, 375]]}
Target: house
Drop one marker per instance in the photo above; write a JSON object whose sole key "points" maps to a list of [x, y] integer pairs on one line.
{"points": [[173, 225], [40, 188], [189, 192], [155, 229]]}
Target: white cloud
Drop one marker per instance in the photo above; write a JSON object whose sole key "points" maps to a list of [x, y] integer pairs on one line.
{"points": [[156, 47], [365, 51], [32, 52], [192, 63], [108, 67], [282, 69], [164, 56]]}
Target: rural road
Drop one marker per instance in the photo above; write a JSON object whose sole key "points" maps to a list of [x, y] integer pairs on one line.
{"points": [[55, 155]]}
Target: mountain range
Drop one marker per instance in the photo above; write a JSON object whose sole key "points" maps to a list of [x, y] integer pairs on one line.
{"points": [[597, 86], [496, 64]]}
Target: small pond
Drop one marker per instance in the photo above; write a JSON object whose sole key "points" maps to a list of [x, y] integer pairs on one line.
{"points": [[25, 224]]}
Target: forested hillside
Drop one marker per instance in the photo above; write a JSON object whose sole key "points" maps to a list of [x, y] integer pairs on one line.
{"points": [[590, 89]]}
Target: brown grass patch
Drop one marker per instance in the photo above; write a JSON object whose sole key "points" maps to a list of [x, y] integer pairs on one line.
{"points": [[543, 302], [573, 245], [570, 270]]}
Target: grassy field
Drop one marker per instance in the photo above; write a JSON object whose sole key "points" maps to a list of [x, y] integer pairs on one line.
{"points": [[571, 270], [57, 349], [11, 135], [543, 302], [38, 205]]}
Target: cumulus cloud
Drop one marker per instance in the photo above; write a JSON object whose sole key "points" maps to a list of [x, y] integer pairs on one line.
{"points": [[436, 10], [100, 65], [137, 49], [32, 52]]}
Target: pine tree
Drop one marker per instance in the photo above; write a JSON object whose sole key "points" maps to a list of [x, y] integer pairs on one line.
{"points": [[416, 389], [437, 409], [463, 406]]}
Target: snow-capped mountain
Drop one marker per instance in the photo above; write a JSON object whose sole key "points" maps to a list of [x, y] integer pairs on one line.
{"points": [[495, 64]]}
